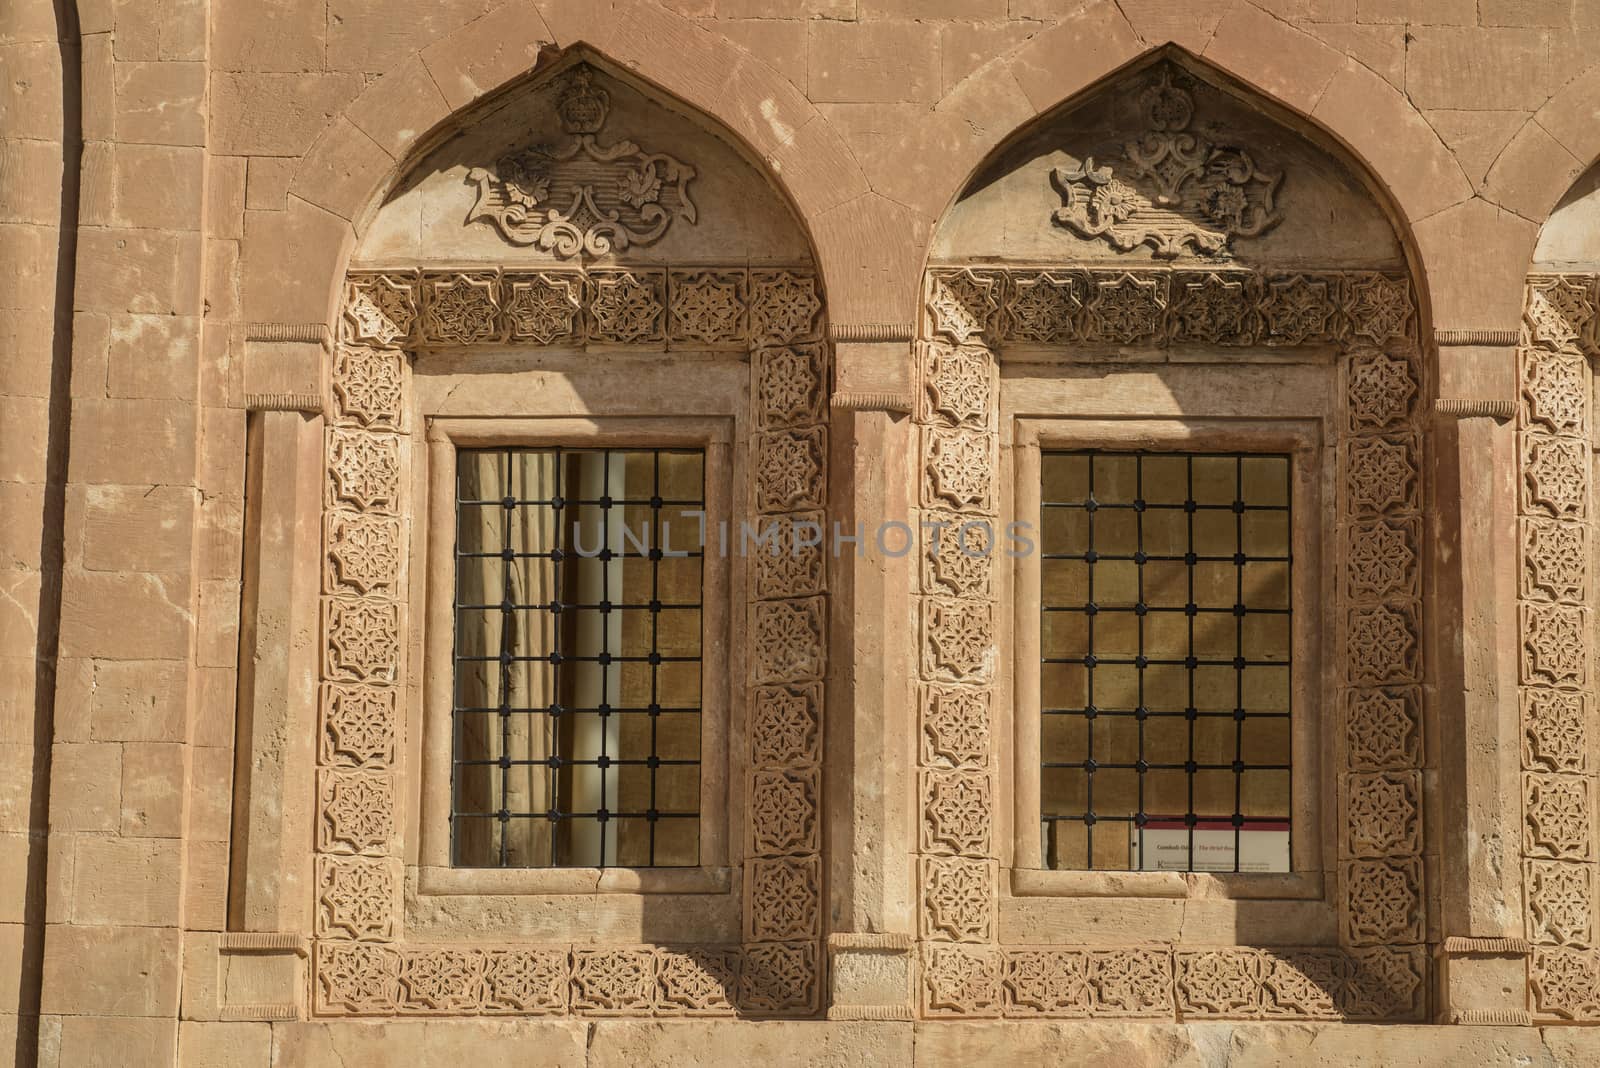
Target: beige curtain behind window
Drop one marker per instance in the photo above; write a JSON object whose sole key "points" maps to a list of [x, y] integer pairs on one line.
{"points": [[530, 581]]}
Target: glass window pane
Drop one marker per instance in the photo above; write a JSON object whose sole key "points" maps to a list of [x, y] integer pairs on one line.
{"points": [[578, 653], [1171, 640]]}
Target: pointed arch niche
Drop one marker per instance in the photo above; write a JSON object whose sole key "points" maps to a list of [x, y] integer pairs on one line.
{"points": [[580, 263], [1170, 264]]}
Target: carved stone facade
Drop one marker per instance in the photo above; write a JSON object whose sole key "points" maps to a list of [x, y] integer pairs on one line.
{"points": [[1380, 967], [1556, 644], [362, 965], [268, 262]]}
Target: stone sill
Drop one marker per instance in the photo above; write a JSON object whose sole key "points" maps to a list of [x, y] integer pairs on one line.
{"points": [[501, 881], [1296, 886]]}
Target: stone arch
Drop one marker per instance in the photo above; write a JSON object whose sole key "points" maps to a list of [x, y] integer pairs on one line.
{"points": [[1114, 275], [366, 148], [586, 265], [1415, 175]]}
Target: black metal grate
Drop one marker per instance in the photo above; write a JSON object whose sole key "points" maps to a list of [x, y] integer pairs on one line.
{"points": [[1166, 642], [577, 658]]}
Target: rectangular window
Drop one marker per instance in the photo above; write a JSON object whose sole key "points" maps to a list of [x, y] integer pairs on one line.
{"points": [[578, 629], [1165, 644]]}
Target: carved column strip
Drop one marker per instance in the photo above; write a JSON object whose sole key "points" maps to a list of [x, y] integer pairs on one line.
{"points": [[1556, 654], [1383, 910], [359, 873], [783, 905], [957, 416]]}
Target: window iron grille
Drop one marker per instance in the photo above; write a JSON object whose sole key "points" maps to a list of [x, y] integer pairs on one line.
{"points": [[1166, 657], [577, 657]]}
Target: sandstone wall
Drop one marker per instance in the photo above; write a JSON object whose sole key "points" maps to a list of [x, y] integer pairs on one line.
{"points": [[233, 152]]}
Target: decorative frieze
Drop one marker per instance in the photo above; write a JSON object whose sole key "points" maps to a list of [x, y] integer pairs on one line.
{"points": [[370, 979], [692, 308], [1156, 308]]}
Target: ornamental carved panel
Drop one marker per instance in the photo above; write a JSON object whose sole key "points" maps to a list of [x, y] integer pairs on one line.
{"points": [[709, 308], [460, 308], [961, 981], [958, 899], [783, 812], [955, 726], [361, 641], [785, 727], [1383, 814], [1384, 902], [363, 553], [364, 470], [1382, 559], [958, 640], [380, 309], [1561, 902], [788, 558], [1559, 816], [783, 899], [544, 307], [583, 196], [958, 469], [357, 897], [1383, 728], [1380, 473], [789, 386], [785, 307], [1565, 983], [357, 811], [1556, 730], [526, 982], [789, 470], [358, 725], [958, 553], [958, 384], [612, 981], [956, 813], [367, 384], [1172, 188], [787, 644]]}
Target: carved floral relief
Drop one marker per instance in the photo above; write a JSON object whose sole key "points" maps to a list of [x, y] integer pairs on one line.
{"points": [[583, 196]]}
